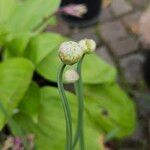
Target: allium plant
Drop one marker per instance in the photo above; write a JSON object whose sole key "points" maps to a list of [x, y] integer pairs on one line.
{"points": [[76, 10], [71, 53]]}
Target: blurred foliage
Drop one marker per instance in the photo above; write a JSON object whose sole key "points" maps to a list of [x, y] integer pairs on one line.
{"points": [[109, 111], [15, 77], [50, 122]]}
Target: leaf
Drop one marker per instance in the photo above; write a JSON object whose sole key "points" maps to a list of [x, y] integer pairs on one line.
{"points": [[14, 127], [15, 77], [134, 27], [4, 33], [17, 45], [49, 66], [42, 45], [103, 73], [6, 9], [31, 13], [111, 108], [31, 101], [51, 104], [52, 124]]}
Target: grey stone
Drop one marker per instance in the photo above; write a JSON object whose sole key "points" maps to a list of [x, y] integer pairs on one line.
{"points": [[143, 103], [124, 46], [132, 66], [138, 133], [127, 148], [120, 7], [140, 3], [61, 27], [132, 19], [112, 31], [103, 53], [133, 141], [105, 15], [79, 34]]}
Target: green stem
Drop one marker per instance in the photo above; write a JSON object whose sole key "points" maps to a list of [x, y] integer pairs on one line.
{"points": [[44, 23], [66, 108], [79, 92]]}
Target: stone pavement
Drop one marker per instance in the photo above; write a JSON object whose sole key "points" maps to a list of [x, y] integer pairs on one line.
{"points": [[116, 36]]}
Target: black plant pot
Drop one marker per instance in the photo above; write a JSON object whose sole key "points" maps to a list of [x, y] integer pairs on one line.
{"points": [[146, 68], [88, 19]]}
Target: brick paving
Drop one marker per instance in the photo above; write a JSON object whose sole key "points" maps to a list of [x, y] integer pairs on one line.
{"points": [[103, 53], [120, 7], [112, 31], [88, 33], [116, 32]]}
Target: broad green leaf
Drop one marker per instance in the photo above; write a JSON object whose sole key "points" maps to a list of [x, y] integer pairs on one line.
{"points": [[13, 125], [95, 70], [42, 45], [103, 73], [49, 66], [31, 101], [17, 45], [113, 110], [6, 9], [31, 13], [15, 77], [52, 124], [4, 33], [51, 104]]}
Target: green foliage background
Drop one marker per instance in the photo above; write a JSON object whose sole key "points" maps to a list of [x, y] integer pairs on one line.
{"points": [[25, 50]]}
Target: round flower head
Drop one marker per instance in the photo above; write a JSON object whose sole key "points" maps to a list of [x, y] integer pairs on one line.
{"points": [[71, 76], [70, 52], [87, 45]]}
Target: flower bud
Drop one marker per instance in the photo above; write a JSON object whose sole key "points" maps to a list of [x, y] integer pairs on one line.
{"points": [[76, 10], [71, 76], [87, 45], [70, 52]]}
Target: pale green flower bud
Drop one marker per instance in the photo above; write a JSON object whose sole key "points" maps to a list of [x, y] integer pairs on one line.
{"points": [[70, 52], [87, 45], [71, 76]]}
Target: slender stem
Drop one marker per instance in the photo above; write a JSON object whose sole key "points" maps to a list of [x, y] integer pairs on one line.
{"points": [[79, 91], [44, 23], [66, 108]]}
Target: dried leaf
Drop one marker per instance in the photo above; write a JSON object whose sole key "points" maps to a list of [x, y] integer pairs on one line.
{"points": [[135, 28], [106, 3]]}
